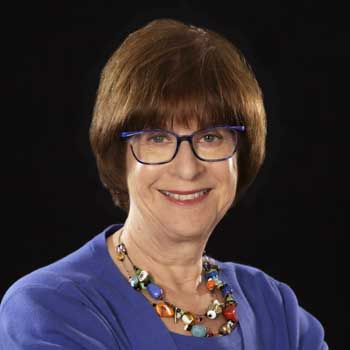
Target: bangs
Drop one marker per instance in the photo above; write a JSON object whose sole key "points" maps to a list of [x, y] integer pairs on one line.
{"points": [[182, 111], [187, 94]]}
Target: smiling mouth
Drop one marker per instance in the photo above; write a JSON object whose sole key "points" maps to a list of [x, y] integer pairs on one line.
{"points": [[186, 197]]}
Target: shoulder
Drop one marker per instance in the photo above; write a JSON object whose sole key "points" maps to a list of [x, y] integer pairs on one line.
{"points": [[47, 290], [56, 304], [273, 302], [260, 290], [250, 278], [53, 313], [257, 285], [77, 267], [56, 279]]}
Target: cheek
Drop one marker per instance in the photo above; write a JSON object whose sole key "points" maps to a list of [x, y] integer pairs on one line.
{"points": [[228, 172], [140, 177], [227, 176], [136, 177], [133, 174]]}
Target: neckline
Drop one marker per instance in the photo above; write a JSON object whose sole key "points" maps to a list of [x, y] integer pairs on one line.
{"points": [[143, 306]]}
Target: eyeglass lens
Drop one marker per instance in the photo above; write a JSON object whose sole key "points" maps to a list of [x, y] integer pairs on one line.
{"points": [[160, 146]]}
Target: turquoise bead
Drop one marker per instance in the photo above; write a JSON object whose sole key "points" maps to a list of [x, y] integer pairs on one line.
{"points": [[198, 330], [134, 282], [155, 291]]}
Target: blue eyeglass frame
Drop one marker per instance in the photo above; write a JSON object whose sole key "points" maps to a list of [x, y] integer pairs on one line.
{"points": [[124, 135]]}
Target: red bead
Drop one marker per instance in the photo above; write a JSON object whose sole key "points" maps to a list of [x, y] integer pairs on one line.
{"points": [[230, 313]]}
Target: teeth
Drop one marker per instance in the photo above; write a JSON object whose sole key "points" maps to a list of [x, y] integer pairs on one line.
{"points": [[185, 197]]}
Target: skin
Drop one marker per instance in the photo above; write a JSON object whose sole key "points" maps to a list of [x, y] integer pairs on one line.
{"points": [[166, 239]]}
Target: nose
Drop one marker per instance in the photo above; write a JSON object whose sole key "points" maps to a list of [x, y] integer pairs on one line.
{"points": [[186, 165]]}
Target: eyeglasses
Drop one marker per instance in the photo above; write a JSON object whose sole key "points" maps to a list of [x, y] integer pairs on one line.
{"points": [[161, 146]]}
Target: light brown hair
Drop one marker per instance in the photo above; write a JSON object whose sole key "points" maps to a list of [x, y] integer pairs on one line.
{"points": [[169, 71]]}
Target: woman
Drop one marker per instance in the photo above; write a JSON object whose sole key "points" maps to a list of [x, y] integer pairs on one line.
{"points": [[178, 133]]}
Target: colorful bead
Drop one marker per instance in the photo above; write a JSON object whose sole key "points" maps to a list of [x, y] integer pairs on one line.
{"points": [[188, 327], [227, 328], [212, 274], [120, 256], [164, 310], [199, 330], [211, 284], [211, 314], [219, 306], [187, 318], [137, 271], [216, 303], [155, 291], [143, 285], [219, 283], [214, 309], [224, 329], [178, 314], [206, 265], [231, 325], [121, 251], [143, 280], [134, 282], [121, 248], [229, 299], [230, 312], [144, 276]]}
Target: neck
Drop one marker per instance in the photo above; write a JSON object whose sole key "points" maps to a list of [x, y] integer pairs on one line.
{"points": [[175, 262]]}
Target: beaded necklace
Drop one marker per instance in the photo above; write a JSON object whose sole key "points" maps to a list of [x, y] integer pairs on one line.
{"points": [[141, 280]]}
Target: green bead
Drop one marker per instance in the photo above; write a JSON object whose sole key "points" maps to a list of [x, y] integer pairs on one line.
{"points": [[198, 330], [229, 299], [178, 314], [144, 277], [219, 284], [182, 312], [143, 285]]}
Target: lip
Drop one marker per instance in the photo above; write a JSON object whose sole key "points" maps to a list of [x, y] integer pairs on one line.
{"points": [[186, 192], [188, 202]]}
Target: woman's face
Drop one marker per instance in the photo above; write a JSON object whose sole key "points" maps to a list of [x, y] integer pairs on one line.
{"points": [[148, 205]]}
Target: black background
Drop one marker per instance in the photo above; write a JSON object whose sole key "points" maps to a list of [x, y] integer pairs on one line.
{"points": [[291, 223]]}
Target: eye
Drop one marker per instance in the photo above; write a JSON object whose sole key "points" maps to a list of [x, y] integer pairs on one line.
{"points": [[210, 138], [158, 138]]}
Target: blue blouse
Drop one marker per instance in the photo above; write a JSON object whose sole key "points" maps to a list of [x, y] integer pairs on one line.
{"points": [[82, 301]]}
